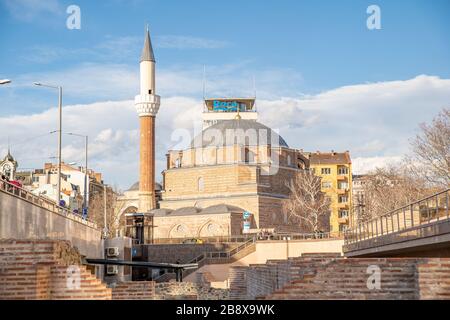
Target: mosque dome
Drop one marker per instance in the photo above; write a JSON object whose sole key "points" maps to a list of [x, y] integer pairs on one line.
{"points": [[221, 134], [135, 187]]}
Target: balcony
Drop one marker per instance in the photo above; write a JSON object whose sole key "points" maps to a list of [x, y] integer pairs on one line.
{"points": [[342, 205], [342, 177], [342, 191], [343, 220]]}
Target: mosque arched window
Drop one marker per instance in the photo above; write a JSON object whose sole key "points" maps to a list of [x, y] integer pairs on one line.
{"points": [[200, 184]]}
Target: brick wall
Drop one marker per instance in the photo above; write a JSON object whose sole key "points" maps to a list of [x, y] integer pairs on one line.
{"points": [[46, 269], [328, 277], [137, 290], [188, 291]]}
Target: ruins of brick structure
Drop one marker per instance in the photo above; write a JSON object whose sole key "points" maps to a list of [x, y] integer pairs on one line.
{"points": [[52, 270], [329, 276]]}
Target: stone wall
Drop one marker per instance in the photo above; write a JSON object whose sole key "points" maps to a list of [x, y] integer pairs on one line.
{"points": [[196, 226], [20, 219], [170, 253]]}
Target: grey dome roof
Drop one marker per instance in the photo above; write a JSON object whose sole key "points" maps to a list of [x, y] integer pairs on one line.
{"points": [[222, 134], [189, 211], [135, 187]]}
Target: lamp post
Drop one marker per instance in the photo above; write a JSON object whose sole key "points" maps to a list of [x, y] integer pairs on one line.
{"points": [[85, 201], [105, 229], [59, 88]]}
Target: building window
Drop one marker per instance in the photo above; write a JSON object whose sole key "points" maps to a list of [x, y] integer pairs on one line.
{"points": [[201, 184], [248, 156], [326, 170], [178, 163], [343, 213], [289, 160], [326, 185], [342, 170], [343, 199], [342, 185], [343, 227]]}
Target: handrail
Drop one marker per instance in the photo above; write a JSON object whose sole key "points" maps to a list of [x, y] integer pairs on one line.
{"points": [[414, 214], [218, 239], [200, 259], [42, 202]]}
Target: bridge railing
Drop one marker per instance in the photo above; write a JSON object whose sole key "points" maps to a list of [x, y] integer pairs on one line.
{"points": [[430, 209], [42, 202]]}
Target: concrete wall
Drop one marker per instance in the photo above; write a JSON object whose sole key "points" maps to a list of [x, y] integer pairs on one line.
{"points": [[269, 250], [20, 219]]}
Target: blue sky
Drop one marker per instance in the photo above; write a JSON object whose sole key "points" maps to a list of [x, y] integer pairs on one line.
{"points": [[294, 49]]}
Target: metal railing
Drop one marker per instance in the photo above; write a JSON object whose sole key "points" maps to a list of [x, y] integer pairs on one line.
{"points": [[295, 236], [41, 202], [229, 254], [224, 239], [431, 209], [202, 259]]}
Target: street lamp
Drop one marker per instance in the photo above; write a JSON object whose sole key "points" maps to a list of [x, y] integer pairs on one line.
{"points": [[105, 229], [5, 81], [85, 201], [59, 88]]}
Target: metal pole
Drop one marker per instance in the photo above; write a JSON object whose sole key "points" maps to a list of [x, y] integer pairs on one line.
{"points": [[105, 229], [86, 172], [59, 143]]}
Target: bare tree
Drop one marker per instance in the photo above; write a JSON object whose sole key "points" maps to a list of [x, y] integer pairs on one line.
{"points": [[307, 204], [431, 150], [386, 189], [114, 207]]}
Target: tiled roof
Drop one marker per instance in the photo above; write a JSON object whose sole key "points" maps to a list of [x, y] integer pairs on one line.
{"points": [[330, 158]]}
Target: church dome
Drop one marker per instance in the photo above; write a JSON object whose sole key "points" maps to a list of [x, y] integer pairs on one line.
{"points": [[221, 134]]}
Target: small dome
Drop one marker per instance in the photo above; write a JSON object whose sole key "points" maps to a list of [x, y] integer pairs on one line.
{"points": [[135, 187], [221, 134]]}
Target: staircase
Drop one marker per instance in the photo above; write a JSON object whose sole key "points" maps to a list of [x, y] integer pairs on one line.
{"points": [[46, 269], [219, 257]]}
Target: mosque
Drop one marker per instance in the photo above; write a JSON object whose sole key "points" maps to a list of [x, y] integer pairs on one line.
{"points": [[231, 180]]}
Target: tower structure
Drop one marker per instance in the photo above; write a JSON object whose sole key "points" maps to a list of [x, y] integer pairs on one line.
{"points": [[147, 106]]}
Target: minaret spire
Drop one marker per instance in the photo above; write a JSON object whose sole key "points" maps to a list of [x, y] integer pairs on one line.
{"points": [[147, 51]]}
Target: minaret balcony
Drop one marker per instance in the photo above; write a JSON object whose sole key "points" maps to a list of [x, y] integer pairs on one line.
{"points": [[147, 104]]}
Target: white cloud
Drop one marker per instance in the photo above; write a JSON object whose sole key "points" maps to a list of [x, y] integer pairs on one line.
{"points": [[372, 121], [362, 165], [28, 10]]}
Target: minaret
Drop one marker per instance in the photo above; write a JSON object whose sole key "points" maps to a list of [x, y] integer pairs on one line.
{"points": [[147, 106]]}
